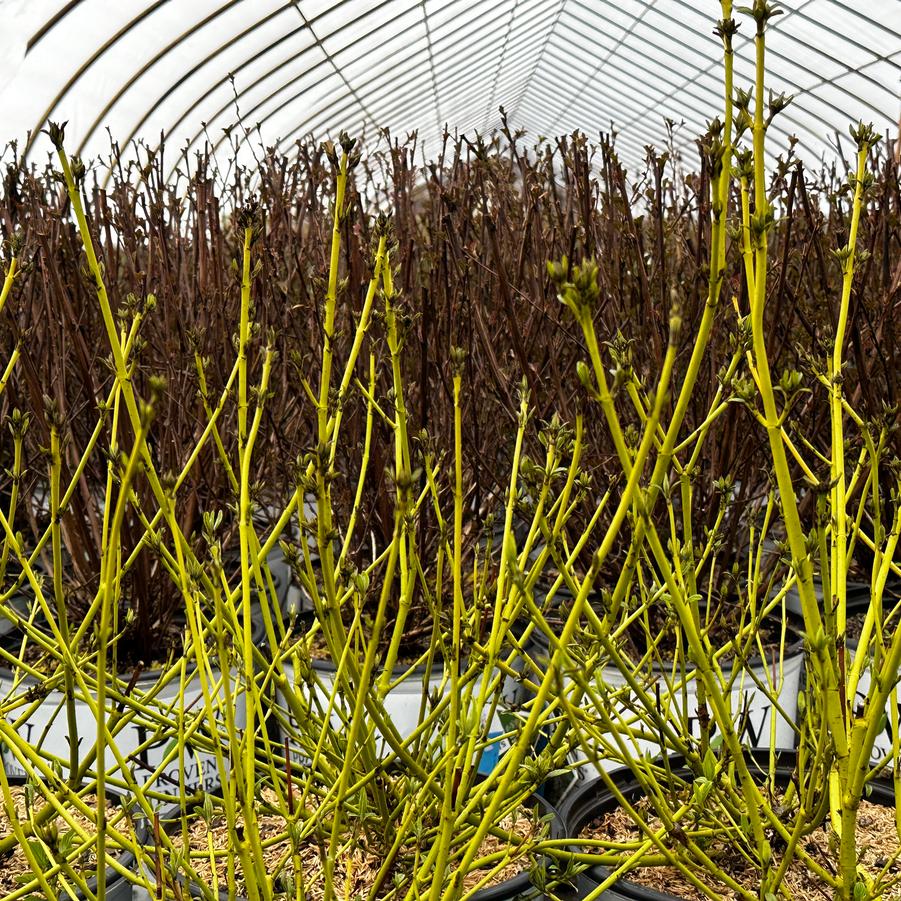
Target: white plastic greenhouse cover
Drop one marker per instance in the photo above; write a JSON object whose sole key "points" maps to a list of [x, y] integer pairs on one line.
{"points": [[135, 69]]}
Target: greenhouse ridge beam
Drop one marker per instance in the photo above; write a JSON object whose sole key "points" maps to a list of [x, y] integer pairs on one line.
{"points": [[313, 124], [554, 65], [500, 65], [598, 68], [484, 18], [399, 70], [541, 52], [461, 78], [461, 75]]}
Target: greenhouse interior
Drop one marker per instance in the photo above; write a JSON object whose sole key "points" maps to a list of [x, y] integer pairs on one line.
{"points": [[450, 451]]}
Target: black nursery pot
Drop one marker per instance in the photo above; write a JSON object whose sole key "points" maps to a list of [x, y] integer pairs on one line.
{"points": [[118, 888], [593, 799]]}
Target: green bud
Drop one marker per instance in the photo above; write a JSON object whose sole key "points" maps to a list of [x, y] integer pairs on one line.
{"points": [[347, 142], [328, 148], [383, 224], [743, 98], [78, 170], [743, 122], [17, 242], [790, 381], [726, 29], [360, 582], [458, 360], [864, 136], [762, 11], [585, 377], [558, 272], [57, 133], [777, 103], [701, 789]]}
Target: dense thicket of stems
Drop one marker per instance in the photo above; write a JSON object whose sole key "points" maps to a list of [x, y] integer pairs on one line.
{"points": [[495, 479]]}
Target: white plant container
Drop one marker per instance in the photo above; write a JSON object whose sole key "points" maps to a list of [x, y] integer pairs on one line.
{"points": [[46, 729], [749, 702], [407, 704]]}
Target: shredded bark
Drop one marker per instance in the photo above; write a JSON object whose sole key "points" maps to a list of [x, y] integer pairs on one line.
{"points": [[356, 868], [15, 870], [877, 840]]}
